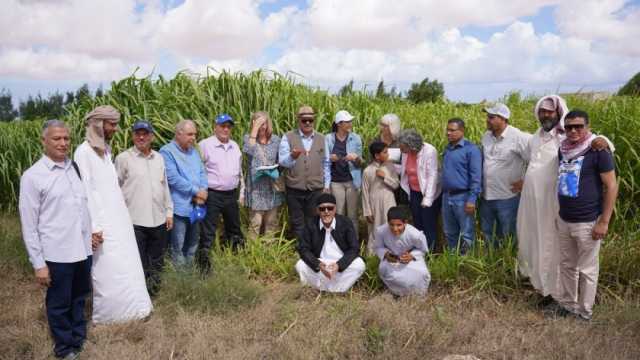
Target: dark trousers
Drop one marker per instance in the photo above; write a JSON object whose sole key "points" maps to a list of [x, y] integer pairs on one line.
{"points": [[152, 245], [225, 203], [70, 285], [302, 206], [425, 219]]}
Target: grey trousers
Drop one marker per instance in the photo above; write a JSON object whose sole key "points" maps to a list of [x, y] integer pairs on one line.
{"points": [[346, 200]]}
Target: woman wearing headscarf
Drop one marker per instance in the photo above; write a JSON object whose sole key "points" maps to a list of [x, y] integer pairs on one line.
{"points": [[419, 179], [263, 193]]}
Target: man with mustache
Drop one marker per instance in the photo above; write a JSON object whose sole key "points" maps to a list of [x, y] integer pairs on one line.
{"points": [[538, 251]]}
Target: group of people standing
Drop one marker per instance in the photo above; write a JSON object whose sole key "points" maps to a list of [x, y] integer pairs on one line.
{"points": [[81, 219]]}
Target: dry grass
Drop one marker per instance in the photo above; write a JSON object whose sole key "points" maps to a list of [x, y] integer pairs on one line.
{"points": [[291, 322], [273, 319]]}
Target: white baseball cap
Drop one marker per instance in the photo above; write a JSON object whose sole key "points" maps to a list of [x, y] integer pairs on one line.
{"points": [[342, 115], [499, 109]]}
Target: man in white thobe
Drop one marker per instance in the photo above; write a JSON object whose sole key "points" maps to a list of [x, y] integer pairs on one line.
{"points": [[401, 249], [119, 288], [328, 248], [538, 251]]}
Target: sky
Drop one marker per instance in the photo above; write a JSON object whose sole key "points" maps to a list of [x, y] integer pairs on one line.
{"points": [[479, 49]]}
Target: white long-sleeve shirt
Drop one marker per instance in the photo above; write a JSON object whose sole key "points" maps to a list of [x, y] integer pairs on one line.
{"points": [[56, 225]]}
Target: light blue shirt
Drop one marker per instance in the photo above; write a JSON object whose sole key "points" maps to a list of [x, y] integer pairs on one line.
{"points": [[56, 225], [186, 176]]}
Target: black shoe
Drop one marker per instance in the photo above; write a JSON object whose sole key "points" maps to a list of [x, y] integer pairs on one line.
{"points": [[546, 302], [557, 311]]}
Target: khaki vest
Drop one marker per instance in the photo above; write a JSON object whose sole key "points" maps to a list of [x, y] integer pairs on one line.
{"points": [[307, 173]]}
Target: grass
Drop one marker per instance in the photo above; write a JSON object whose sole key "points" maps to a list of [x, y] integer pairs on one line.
{"points": [[253, 307]]}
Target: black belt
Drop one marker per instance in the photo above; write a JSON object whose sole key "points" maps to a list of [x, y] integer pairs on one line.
{"points": [[227, 192], [458, 191]]}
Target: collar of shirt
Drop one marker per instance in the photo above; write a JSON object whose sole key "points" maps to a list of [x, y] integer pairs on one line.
{"points": [[460, 143], [179, 148], [302, 135], [140, 154], [217, 143], [50, 164], [506, 133], [332, 227]]}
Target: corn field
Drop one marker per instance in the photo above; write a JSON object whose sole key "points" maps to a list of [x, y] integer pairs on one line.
{"points": [[187, 96]]}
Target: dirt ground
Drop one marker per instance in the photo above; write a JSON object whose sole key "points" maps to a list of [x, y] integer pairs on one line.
{"points": [[291, 322]]}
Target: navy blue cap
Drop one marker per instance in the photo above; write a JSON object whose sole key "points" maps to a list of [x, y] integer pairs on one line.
{"points": [[223, 118], [142, 125]]}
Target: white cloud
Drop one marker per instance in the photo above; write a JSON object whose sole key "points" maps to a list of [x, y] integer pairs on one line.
{"points": [[47, 65], [401, 24], [220, 29], [329, 42], [613, 25]]}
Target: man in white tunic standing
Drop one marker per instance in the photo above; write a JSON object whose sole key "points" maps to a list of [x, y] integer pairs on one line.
{"points": [[401, 249], [119, 289], [328, 248], [538, 250]]}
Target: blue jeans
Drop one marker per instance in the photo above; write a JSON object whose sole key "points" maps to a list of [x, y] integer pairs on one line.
{"points": [[457, 224], [184, 240], [70, 285], [425, 219], [499, 213]]}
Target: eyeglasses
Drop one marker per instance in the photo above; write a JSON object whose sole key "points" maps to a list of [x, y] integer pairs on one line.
{"points": [[326, 208], [576, 127], [307, 121]]}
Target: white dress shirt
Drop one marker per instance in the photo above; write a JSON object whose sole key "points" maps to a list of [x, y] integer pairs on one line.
{"points": [[56, 225], [330, 250]]}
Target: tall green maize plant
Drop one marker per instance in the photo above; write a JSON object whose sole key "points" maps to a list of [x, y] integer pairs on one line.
{"points": [[201, 97]]}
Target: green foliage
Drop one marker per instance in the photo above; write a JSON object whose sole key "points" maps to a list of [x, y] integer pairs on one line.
{"points": [[632, 87], [165, 101], [426, 91], [227, 288], [7, 112], [346, 89]]}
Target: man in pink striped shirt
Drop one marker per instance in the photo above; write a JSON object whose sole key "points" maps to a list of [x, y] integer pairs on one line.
{"points": [[222, 161]]}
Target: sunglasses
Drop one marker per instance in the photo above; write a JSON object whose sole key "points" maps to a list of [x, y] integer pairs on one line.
{"points": [[576, 127], [326, 208], [307, 121]]}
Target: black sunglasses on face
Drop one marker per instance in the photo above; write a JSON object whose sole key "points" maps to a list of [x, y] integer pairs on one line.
{"points": [[325, 208], [570, 127]]}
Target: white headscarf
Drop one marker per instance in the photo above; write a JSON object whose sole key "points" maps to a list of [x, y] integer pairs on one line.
{"points": [[95, 132], [560, 106]]}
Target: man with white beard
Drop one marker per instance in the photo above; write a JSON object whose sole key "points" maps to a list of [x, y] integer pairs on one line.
{"points": [[538, 251]]}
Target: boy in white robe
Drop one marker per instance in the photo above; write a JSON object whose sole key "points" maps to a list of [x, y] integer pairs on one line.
{"points": [[379, 181], [401, 249]]}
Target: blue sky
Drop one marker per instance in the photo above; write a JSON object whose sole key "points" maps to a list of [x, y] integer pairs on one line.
{"points": [[478, 49]]}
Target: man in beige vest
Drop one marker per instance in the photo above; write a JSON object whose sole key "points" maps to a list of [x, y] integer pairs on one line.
{"points": [[302, 153]]}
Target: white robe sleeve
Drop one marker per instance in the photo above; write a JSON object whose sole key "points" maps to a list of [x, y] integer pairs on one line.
{"points": [[95, 202]]}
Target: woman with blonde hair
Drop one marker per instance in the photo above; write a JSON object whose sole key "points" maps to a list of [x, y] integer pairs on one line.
{"points": [[263, 194]]}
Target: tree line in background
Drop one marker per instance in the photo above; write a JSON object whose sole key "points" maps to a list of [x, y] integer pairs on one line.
{"points": [[424, 91], [39, 107]]}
